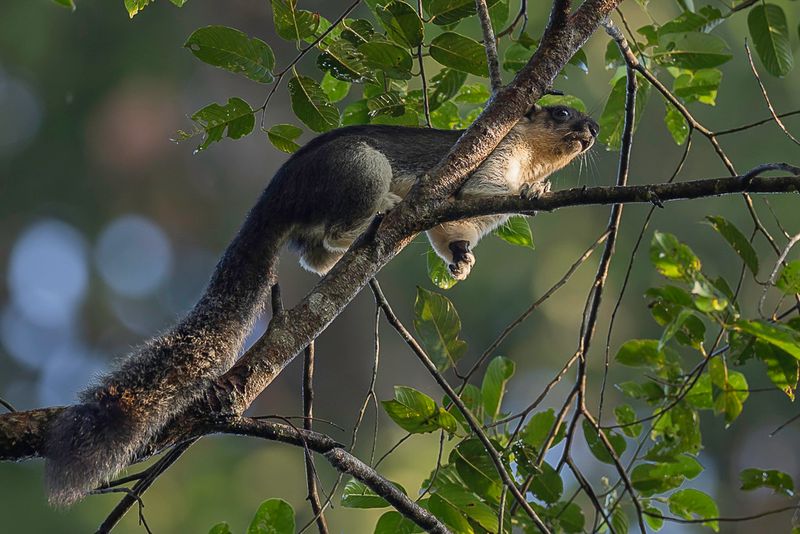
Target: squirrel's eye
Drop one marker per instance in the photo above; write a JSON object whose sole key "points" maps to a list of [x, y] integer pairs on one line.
{"points": [[560, 114]]}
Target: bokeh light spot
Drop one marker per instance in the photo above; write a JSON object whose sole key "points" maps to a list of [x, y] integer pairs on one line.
{"points": [[133, 256]]}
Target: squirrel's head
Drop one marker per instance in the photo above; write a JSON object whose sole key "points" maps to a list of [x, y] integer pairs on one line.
{"points": [[563, 131]]}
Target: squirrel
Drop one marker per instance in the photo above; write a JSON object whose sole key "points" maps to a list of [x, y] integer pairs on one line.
{"points": [[320, 200]]}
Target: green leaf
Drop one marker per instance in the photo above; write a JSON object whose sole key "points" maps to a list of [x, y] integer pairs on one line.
{"points": [[619, 520], [730, 390], [220, 528], [413, 411], [356, 494], [697, 85], [612, 121], [672, 258], [467, 502], [516, 57], [357, 31], [66, 3], [676, 124], [627, 416], [474, 93], [641, 353], [134, 6], [777, 481], [355, 113], [438, 272], [232, 50], [613, 58], [538, 429], [789, 280], [401, 22], [444, 12], [782, 369], [446, 84], [736, 240], [393, 60], [389, 103], [691, 50], [282, 137], [476, 469], [212, 121], [547, 484], [597, 446], [649, 391], [563, 100], [344, 62], [675, 432], [498, 14], [704, 21], [446, 117], [178, 3], [652, 478], [438, 326], [311, 104], [691, 504], [336, 90], [770, 32], [450, 515], [777, 335], [293, 24], [570, 517], [700, 395], [471, 397], [459, 52], [497, 375], [395, 523], [274, 516], [654, 518], [516, 231]]}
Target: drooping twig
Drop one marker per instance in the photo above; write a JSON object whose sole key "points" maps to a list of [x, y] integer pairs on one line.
{"points": [[541, 300], [626, 279], [308, 415], [772, 112], [473, 423]]}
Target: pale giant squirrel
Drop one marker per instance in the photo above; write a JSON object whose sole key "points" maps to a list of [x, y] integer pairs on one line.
{"points": [[320, 200]]}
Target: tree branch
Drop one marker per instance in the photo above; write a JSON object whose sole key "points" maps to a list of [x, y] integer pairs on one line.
{"points": [[490, 44]]}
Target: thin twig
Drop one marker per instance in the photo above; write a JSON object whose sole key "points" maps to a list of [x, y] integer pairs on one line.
{"points": [[541, 300], [772, 112], [308, 414], [7, 405], [468, 415], [426, 104], [628, 270], [489, 44], [723, 519]]}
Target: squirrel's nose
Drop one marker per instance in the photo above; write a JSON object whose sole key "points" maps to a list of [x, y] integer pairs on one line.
{"points": [[594, 129]]}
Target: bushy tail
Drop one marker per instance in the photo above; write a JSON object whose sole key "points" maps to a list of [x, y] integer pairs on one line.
{"points": [[92, 442], [88, 444]]}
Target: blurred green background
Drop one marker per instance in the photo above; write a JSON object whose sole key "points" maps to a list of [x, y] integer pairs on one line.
{"points": [[109, 232]]}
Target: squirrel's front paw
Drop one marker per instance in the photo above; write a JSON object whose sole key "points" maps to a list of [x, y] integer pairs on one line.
{"points": [[534, 190], [463, 259]]}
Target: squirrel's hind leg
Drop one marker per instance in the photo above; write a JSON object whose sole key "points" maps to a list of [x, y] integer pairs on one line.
{"points": [[339, 238], [454, 241]]}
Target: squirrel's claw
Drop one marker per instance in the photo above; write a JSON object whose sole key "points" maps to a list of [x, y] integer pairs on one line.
{"points": [[463, 259], [533, 191]]}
